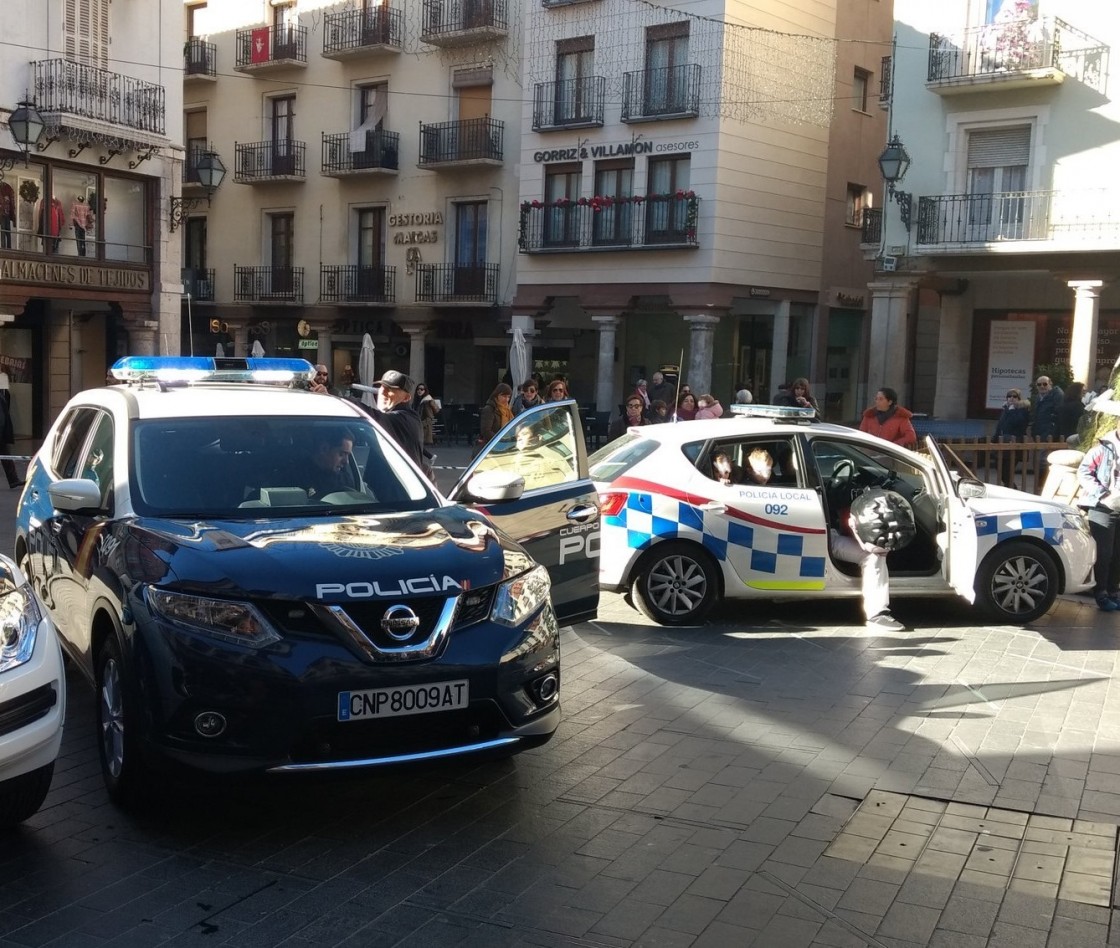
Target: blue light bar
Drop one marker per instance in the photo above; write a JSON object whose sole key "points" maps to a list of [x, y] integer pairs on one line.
{"points": [[210, 369], [774, 412]]}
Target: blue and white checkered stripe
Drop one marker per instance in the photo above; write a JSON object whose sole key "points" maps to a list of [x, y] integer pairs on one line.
{"points": [[992, 529]]}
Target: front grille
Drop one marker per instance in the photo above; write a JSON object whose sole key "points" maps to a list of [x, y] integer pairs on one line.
{"points": [[27, 708], [367, 616], [474, 606], [328, 740]]}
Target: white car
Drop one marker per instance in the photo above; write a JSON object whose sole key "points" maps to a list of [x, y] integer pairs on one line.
{"points": [[32, 698], [678, 541]]}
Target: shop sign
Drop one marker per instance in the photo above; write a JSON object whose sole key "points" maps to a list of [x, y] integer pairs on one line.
{"points": [[1010, 359], [73, 274], [422, 219], [613, 150], [308, 344]]}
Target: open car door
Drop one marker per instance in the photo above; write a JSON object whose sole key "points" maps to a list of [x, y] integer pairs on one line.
{"points": [[958, 564], [556, 518]]}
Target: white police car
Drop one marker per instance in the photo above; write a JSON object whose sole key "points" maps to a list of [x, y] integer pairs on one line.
{"points": [[677, 540], [256, 578], [32, 698]]}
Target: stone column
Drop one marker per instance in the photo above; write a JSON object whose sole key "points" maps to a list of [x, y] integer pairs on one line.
{"points": [[528, 325], [241, 344], [417, 337], [886, 357], [954, 357], [605, 378], [1083, 340], [322, 332], [701, 350], [143, 335], [779, 353]]}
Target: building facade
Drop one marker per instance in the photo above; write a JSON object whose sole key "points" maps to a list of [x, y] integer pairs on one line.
{"points": [[997, 251], [87, 267]]}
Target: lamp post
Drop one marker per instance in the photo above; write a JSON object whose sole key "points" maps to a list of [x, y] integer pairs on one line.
{"points": [[893, 165], [26, 126], [210, 171]]}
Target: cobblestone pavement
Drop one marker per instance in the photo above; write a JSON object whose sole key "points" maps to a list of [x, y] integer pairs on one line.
{"points": [[779, 777]]}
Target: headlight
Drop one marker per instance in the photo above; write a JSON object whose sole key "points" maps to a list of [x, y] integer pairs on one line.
{"points": [[1076, 522], [236, 622], [519, 598], [19, 620]]}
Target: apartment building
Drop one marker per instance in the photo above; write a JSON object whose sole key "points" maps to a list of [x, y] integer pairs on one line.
{"points": [[90, 144], [998, 246]]}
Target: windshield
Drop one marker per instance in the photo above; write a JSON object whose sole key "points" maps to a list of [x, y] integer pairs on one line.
{"points": [[615, 459], [244, 467]]}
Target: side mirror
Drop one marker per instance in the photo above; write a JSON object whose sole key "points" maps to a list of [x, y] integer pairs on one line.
{"points": [[969, 488], [496, 487], [74, 494]]}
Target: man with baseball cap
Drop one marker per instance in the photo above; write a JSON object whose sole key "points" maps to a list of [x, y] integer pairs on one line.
{"points": [[401, 423]]}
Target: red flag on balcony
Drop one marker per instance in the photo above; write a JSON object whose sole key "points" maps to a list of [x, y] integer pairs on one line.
{"points": [[259, 40]]}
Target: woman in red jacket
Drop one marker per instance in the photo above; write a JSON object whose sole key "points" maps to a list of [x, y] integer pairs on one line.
{"points": [[888, 420]]}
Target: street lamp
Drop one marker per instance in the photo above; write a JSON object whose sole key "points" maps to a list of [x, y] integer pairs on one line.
{"points": [[209, 171], [26, 125], [894, 162]]}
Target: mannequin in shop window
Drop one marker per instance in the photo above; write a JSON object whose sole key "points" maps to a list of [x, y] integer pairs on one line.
{"points": [[81, 217], [52, 218], [7, 433]]}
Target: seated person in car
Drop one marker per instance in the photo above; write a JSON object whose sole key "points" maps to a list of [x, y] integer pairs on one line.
{"points": [[329, 467], [760, 467], [725, 470]]}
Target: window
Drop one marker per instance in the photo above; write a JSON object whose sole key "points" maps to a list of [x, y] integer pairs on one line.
{"points": [[71, 439], [858, 199], [97, 466], [281, 132], [470, 248], [861, 82], [997, 177], [542, 450], [575, 59], [123, 219], [666, 213], [194, 244], [561, 191], [666, 81], [85, 32], [281, 239], [193, 18], [371, 230], [612, 224]]}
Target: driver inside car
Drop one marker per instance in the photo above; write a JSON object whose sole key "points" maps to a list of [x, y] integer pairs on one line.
{"points": [[329, 468]]}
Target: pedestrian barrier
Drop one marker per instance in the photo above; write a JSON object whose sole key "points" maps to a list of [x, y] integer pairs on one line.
{"points": [[1018, 464]]}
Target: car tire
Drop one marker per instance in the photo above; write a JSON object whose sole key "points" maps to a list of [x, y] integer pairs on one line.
{"points": [[122, 766], [21, 797], [676, 584], [1016, 583]]}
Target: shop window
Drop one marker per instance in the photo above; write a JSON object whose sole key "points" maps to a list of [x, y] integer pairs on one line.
{"points": [[122, 220], [21, 209], [71, 224]]}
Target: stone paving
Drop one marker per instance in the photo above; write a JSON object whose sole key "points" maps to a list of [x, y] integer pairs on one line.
{"points": [[779, 777]]}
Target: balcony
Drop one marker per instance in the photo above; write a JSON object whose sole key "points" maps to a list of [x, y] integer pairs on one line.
{"points": [[88, 104], [1027, 52], [871, 225], [1020, 221], [268, 284], [266, 49], [357, 284], [354, 33], [886, 82], [463, 144], [378, 152], [263, 162], [656, 222], [451, 283], [198, 284], [652, 95], [569, 103], [450, 23], [200, 61]]}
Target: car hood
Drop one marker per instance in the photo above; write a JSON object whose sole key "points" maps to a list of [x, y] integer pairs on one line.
{"points": [[439, 551], [999, 500]]}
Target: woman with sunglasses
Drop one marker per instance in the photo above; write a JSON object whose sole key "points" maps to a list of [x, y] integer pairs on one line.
{"points": [[633, 417], [527, 397], [1012, 426], [427, 407], [557, 391]]}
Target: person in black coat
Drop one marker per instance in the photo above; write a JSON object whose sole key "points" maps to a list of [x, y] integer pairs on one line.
{"points": [[1012, 426], [401, 423], [1044, 419], [1070, 410]]}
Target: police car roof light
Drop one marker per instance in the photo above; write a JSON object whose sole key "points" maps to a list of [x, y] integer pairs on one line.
{"points": [[775, 412], [210, 369]]}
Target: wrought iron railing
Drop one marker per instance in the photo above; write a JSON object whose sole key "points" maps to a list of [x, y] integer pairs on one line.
{"points": [[569, 103], [267, 284], [198, 284], [62, 86], [261, 161], [200, 58], [357, 284], [268, 44], [871, 225], [465, 140], [378, 149], [628, 223], [886, 81], [657, 93], [452, 283], [1017, 46], [1065, 217], [354, 30], [443, 17]]}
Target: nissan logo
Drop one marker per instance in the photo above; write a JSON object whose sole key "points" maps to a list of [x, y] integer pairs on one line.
{"points": [[399, 622]]}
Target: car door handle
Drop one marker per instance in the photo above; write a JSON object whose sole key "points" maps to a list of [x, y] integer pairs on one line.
{"points": [[584, 513], [714, 506]]}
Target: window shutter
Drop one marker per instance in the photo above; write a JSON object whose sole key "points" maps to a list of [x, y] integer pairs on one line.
{"points": [[999, 147], [99, 30]]}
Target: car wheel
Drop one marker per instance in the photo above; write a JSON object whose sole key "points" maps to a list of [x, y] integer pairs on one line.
{"points": [[121, 765], [676, 584], [1016, 583], [22, 796]]}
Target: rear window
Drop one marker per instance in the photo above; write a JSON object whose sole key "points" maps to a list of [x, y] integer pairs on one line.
{"points": [[248, 467], [615, 459]]}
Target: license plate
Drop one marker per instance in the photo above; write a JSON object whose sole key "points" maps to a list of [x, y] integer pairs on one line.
{"points": [[406, 699]]}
